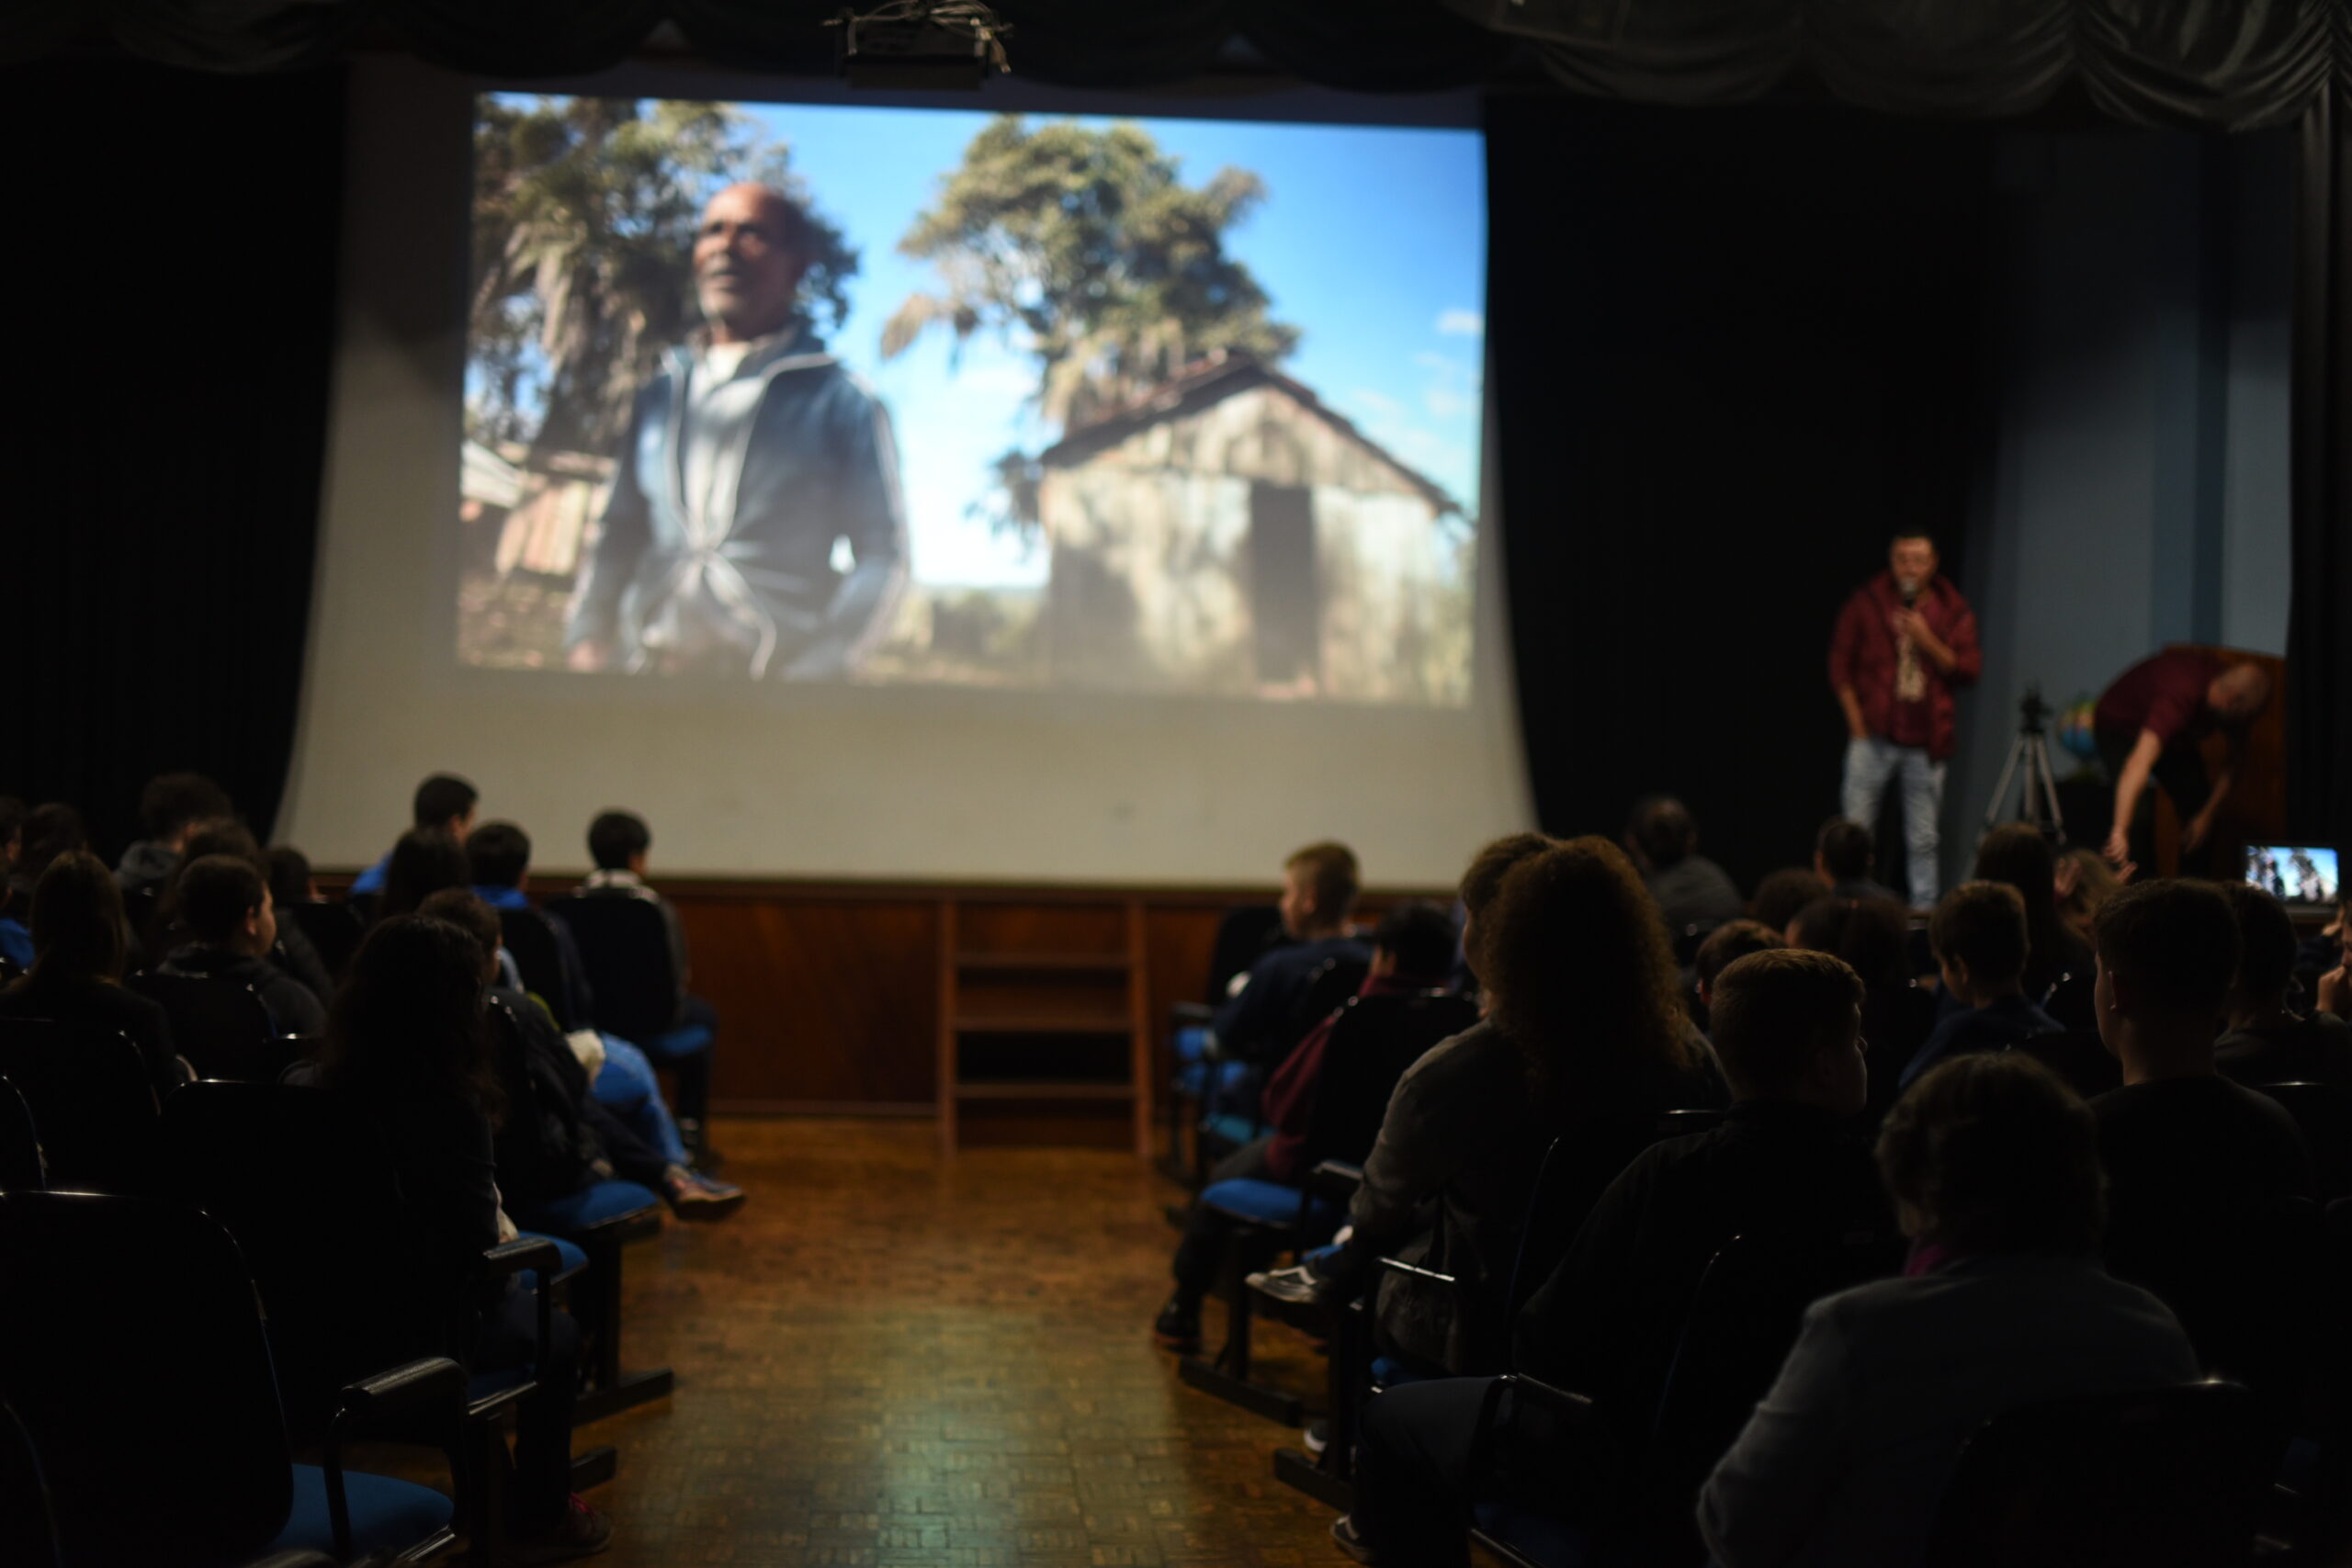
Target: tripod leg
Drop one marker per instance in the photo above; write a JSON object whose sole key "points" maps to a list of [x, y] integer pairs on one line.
{"points": [[2049, 789], [2001, 790]]}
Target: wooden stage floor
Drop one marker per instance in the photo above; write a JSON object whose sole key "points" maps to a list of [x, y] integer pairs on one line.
{"points": [[889, 1358]]}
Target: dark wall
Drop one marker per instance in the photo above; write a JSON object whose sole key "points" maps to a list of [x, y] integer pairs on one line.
{"points": [[171, 321], [1733, 350]]}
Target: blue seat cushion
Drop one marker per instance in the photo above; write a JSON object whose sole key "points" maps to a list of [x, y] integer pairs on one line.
{"points": [[1536, 1537], [1194, 1081], [386, 1516], [1191, 1042], [688, 1040], [1264, 1203], [592, 1205]]}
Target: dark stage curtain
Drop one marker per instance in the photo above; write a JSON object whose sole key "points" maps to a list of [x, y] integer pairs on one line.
{"points": [[171, 334], [1742, 348], [2319, 618]]}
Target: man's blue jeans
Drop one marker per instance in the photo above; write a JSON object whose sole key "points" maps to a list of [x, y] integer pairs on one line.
{"points": [[626, 1083], [1870, 763]]}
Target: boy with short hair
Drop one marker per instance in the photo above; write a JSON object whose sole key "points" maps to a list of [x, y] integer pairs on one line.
{"points": [[226, 907], [1978, 933], [2266, 1043]]}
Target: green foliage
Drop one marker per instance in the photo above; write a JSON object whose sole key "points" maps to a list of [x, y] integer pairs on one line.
{"points": [[1085, 249], [584, 216]]}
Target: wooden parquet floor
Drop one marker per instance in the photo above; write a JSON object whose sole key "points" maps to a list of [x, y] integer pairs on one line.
{"points": [[888, 1358]]}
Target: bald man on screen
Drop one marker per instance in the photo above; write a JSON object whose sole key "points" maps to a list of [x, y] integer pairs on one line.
{"points": [[752, 460]]}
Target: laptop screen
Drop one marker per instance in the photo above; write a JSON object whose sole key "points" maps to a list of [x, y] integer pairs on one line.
{"points": [[2297, 873]]}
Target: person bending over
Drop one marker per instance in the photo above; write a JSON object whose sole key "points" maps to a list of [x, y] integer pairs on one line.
{"points": [[443, 804], [1993, 1165], [1412, 949], [1979, 936], [2148, 726], [1585, 1035], [232, 925], [76, 974], [1781, 1171], [2266, 1043]]}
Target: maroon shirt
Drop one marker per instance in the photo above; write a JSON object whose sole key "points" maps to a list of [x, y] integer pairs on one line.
{"points": [[1865, 653], [2166, 695]]}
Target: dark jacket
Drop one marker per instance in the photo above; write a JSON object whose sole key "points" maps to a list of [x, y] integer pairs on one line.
{"points": [[2317, 1049], [1862, 655], [101, 1004], [145, 866], [1464, 1135], [1606, 1322], [543, 1149], [820, 465], [1694, 891], [1261, 1023], [292, 1008], [2000, 1023]]}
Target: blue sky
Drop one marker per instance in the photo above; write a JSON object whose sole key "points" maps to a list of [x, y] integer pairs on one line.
{"points": [[1372, 241]]}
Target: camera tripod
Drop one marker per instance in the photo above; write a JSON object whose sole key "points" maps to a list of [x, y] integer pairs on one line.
{"points": [[2030, 756]]}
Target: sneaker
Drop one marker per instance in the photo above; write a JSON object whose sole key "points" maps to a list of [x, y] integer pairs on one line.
{"points": [[583, 1533], [1297, 1285], [1178, 1327], [1345, 1537], [693, 1196]]}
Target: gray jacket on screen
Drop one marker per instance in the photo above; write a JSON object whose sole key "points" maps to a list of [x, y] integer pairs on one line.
{"points": [[1845, 1461], [745, 574]]}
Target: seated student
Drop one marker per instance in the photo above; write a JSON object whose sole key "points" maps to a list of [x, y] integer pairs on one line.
{"points": [[1259, 1023], [1724, 946], [1690, 890], [1784, 894], [1873, 936], [232, 925], [1606, 1322], [1978, 932], [557, 1139], [288, 871], [1412, 953], [168, 807], [293, 951], [2266, 1043], [2194, 1162], [76, 973], [1843, 856], [407, 1044], [445, 803], [498, 855], [1993, 1165], [2083, 881], [51, 830], [423, 862], [2059, 969], [1585, 1033]]}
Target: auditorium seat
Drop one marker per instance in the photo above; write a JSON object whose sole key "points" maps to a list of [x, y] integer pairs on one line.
{"points": [[538, 956], [179, 1454], [221, 1026], [635, 988], [2171, 1478], [90, 1100], [20, 1162]]}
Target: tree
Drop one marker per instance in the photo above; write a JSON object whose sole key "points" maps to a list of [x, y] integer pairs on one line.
{"points": [[584, 216], [1085, 249]]}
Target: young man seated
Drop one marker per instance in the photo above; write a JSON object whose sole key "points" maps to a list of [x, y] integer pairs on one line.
{"points": [[1724, 946], [1690, 889], [2196, 1164], [498, 858], [1843, 857], [619, 842], [443, 803], [1259, 1023], [2265, 1042], [1782, 1170], [1978, 932], [226, 907], [168, 807], [293, 951], [1412, 950], [557, 1138]]}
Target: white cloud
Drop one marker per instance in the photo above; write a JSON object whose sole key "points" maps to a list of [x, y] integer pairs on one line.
{"points": [[1458, 322]]}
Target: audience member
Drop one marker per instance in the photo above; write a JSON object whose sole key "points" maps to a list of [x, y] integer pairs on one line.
{"points": [[1412, 949], [1784, 894], [168, 807], [1726, 945], [498, 855], [444, 803], [557, 1139], [51, 830], [76, 973], [293, 951], [1979, 936], [1843, 856], [1994, 1169], [2059, 970], [423, 862], [1873, 936], [288, 870], [407, 1043], [1781, 1171], [1259, 1023], [1585, 1035], [2323, 953], [2266, 1043], [232, 925], [2085, 881], [1693, 893]]}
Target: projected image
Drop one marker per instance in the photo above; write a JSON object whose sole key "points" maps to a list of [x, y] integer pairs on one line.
{"points": [[2295, 873], [791, 393]]}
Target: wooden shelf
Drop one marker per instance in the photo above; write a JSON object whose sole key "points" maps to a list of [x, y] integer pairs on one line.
{"points": [[1016, 1023], [1057, 962], [1009, 1089]]}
